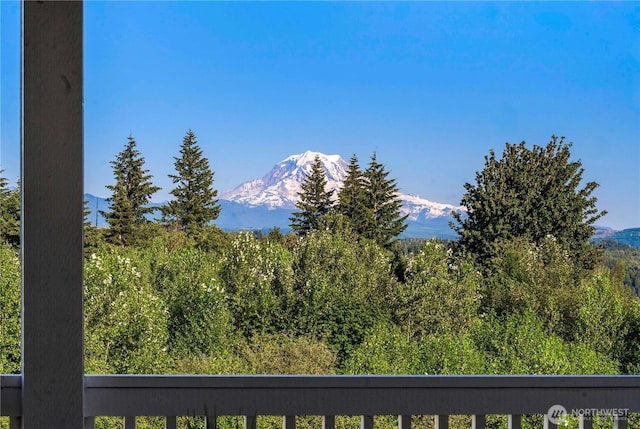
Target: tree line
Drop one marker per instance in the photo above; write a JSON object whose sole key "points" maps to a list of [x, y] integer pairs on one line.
{"points": [[516, 293], [194, 204], [367, 200]]}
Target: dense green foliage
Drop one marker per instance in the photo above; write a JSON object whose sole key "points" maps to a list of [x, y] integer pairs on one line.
{"points": [[530, 194], [315, 201], [195, 203], [130, 196], [10, 333], [624, 261], [9, 212], [333, 301], [345, 297]]}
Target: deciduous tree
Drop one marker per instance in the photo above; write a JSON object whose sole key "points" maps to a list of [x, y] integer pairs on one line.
{"points": [[530, 193]]}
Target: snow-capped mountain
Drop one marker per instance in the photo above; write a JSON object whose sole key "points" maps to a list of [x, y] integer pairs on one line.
{"points": [[279, 187], [278, 190], [420, 209]]}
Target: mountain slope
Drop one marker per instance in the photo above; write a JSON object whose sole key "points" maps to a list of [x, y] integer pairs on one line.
{"points": [[279, 187], [278, 190]]}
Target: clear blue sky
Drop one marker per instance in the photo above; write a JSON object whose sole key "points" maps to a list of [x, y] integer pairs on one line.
{"points": [[432, 87]]}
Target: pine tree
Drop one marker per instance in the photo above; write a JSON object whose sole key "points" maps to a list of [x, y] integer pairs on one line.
{"points": [[130, 197], [91, 234], [195, 203], [382, 218], [351, 196], [9, 212], [314, 202], [531, 194]]}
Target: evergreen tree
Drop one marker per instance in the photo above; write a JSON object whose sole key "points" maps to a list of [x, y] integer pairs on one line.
{"points": [[130, 195], [382, 218], [314, 202], [195, 202], [9, 212], [351, 196], [91, 234], [532, 194]]}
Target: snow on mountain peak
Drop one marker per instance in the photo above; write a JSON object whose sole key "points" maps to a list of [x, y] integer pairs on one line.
{"points": [[279, 188]]}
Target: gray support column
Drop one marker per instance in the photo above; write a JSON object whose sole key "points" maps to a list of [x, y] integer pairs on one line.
{"points": [[52, 186]]}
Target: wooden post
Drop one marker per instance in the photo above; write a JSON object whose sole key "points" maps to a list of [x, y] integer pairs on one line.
{"points": [[52, 187]]}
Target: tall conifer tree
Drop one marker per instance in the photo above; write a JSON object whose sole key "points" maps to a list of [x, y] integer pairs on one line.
{"points": [[351, 196], [315, 201], [382, 219], [195, 202], [130, 196]]}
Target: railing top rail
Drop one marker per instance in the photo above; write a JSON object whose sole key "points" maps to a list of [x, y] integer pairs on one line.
{"points": [[177, 395], [363, 381]]}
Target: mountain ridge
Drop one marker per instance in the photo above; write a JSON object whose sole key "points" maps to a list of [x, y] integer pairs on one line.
{"points": [[268, 201], [279, 188]]}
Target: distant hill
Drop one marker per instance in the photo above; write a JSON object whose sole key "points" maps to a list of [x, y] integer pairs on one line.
{"points": [[236, 216], [268, 202], [630, 236]]}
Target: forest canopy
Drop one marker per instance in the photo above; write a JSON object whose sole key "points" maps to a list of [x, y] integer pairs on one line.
{"points": [[337, 300]]}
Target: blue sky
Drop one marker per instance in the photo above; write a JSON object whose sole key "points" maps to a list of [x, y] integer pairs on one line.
{"points": [[432, 87]]}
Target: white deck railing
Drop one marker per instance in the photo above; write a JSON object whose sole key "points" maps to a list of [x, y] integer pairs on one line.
{"points": [[129, 396]]}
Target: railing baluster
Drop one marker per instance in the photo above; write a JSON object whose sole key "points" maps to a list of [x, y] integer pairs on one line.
{"points": [[514, 421], [548, 424], [366, 422], [619, 422], [210, 422], [328, 422], [585, 422], [441, 421], [404, 422], [250, 422], [130, 422], [477, 421], [89, 422], [15, 422], [170, 422], [289, 422]]}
